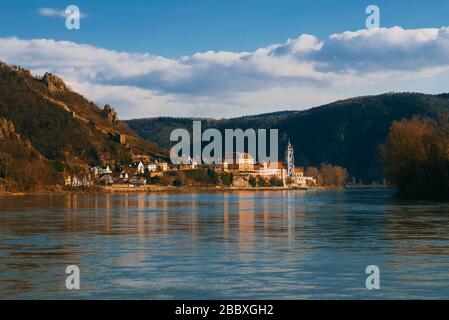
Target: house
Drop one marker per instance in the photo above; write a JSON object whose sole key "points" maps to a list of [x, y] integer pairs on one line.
{"points": [[222, 167], [68, 181], [96, 171], [303, 181], [107, 180], [164, 166], [193, 164], [76, 182], [152, 167], [122, 139], [138, 181], [86, 181], [122, 178], [140, 168], [189, 164]]}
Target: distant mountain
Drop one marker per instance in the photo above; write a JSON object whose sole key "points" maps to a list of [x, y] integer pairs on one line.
{"points": [[64, 127], [345, 133]]}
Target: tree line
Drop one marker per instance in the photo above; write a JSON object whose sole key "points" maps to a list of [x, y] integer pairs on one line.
{"points": [[328, 175]]}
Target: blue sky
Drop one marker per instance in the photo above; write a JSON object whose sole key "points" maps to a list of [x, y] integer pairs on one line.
{"points": [[180, 27], [228, 58]]}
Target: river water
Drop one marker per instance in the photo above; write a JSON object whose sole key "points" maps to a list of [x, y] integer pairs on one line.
{"points": [[231, 245]]}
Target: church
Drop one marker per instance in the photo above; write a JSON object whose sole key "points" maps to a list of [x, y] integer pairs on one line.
{"points": [[295, 174]]}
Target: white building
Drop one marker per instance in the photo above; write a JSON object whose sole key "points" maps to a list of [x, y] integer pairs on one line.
{"points": [[152, 167], [273, 169], [139, 181], [140, 168], [124, 176], [164, 166], [188, 164], [245, 162], [76, 182], [86, 182], [303, 181], [96, 171]]}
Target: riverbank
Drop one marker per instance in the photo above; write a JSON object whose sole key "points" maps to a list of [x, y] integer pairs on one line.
{"points": [[124, 188], [155, 188]]}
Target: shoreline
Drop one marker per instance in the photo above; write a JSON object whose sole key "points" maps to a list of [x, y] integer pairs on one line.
{"points": [[159, 189]]}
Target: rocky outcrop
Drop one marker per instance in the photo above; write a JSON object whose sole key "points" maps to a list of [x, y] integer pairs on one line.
{"points": [[54, 83], [240, 181], [8, 132], [6, 129], [110, 114]]}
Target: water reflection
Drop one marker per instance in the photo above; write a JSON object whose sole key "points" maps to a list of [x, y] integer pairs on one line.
{"points": [[223, 245]]}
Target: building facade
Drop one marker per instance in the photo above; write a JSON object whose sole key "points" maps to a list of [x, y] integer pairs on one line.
{"points": [[245, 162]]}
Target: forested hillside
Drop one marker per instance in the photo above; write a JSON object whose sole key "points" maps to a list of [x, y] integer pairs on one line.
{"points": [[346, 133]]}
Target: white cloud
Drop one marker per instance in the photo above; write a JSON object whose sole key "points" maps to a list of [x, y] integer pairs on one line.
{"points": [[301, 72]]}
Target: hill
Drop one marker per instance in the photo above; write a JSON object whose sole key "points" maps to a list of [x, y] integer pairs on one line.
{"points": [[345, 133], [63, 127]]}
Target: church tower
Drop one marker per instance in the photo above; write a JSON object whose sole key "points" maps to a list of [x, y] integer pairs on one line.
{"points": [[290, 160]]}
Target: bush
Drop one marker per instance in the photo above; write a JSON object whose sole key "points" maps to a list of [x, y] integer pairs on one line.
{"points": [[276, 182], [262, 182], [252, 181], [225, 178]]}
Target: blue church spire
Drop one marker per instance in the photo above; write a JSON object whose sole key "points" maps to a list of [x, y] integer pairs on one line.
{"points": [[290, 160]]}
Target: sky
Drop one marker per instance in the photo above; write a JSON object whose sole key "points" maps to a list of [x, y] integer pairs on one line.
{"points": [[229, 58]]}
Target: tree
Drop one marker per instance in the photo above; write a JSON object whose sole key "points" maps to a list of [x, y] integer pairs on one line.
{"points": [[328, 175], [315, 173], [312, 172], [340, 176], [289, 181], [252, 181], [415, 156]]}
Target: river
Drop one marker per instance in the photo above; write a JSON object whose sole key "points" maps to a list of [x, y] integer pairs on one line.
{"points": [[224, 245]]}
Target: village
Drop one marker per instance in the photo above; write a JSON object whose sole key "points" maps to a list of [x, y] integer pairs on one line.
{"points": [[244, 170]]}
